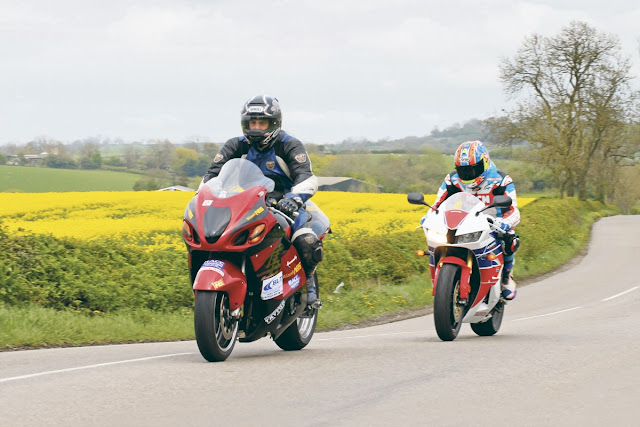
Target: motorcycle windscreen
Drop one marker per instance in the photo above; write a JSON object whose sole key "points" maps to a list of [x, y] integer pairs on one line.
{"points": [[236, 176]]}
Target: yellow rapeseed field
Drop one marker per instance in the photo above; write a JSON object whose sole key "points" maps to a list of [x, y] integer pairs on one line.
{"points": [[153, 219]]}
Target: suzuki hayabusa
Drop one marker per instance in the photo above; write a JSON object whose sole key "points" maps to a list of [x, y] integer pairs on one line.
{"points": [[247, 277]]}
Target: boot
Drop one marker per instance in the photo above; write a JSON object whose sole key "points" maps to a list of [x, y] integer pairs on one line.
{"points": [[509, 290], [312, 294]]}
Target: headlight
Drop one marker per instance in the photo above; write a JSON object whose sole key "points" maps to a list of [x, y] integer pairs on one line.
{"points": [[469, 237], [436, 236]]}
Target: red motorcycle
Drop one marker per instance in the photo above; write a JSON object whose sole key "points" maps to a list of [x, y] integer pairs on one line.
{"points": [[247, 276]]}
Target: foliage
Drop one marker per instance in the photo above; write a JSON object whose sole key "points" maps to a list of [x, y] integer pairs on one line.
{"points": [[60, 161], [113, 161], [72, 274], [580, 110], [421, 172], [146, 184], [92, 160]]}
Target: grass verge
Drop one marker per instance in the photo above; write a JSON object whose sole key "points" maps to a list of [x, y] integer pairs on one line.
{"points": [[33, 326]]}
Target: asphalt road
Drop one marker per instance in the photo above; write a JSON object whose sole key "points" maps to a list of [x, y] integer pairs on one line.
{"points": [[567, 354]]}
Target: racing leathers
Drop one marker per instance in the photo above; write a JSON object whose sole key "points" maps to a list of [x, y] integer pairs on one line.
{"points": [[495, 183], [287, 163]]}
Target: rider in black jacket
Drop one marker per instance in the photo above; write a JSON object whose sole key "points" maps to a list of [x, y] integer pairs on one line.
{"points": [[284, 159]]}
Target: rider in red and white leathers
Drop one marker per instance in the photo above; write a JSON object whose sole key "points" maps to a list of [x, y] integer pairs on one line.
{"points": [[476, 174]]}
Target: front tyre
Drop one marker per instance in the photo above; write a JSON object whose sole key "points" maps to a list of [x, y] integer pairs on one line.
{"points": [[216, 330], [300, 332], [491, 326], [447, 310]]}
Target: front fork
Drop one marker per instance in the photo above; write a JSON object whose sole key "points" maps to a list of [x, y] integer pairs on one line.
{"points": [[465, 274]]}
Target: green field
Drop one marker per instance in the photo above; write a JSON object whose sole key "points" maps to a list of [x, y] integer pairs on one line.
{"points": [[40, 180]]}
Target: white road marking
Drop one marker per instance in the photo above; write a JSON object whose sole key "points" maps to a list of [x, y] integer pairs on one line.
{"points": [[366, 336], [98, 365], [621, 293], [21, 377], [548, 314]]}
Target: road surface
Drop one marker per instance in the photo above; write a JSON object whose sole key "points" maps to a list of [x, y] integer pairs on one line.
{"points": [[568, 354]]}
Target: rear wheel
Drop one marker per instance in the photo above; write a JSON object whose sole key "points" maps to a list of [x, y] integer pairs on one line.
{"points": [[447, 309], [491, 326], [300, 332], [216, 331]]}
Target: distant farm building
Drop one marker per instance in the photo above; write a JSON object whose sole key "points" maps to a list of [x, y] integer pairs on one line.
{"points": [[177, 188], [345, 183], [26, 159]]}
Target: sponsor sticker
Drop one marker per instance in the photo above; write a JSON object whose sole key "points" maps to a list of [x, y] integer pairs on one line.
{"points": [[217, 284], [296, 269], [207, 202], [256, 213], [255, 109], [300, 158], [214, 263], [218, 158], [272, 287], [294, 282], [270, 318], [217, 270], [295, 258]]}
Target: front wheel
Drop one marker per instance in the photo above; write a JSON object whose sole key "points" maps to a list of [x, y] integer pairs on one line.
{"points": [[300, 332], [216, 330], [491, 326], [447, 310]]}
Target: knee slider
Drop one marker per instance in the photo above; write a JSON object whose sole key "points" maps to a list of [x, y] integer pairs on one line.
{"points": [[310, 249], [511, 243]]}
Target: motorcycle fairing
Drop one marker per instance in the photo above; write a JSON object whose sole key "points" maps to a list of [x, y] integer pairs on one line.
{"points": [[215, 221], [454, 217], [292, 272], [224, 277], [257, 212], [284, 262]]}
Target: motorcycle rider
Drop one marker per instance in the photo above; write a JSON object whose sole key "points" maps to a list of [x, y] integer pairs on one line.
{"points": [[284, 159], [476, 174]]}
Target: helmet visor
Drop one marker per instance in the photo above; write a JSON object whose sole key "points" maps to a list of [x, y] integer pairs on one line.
{"points": [[471, 172]]}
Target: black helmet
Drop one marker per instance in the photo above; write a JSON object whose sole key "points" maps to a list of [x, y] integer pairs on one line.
{"points": [[261, 107]]}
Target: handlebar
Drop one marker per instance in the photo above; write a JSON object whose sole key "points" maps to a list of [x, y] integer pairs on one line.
{"points": [[494, 227], [271, 203]]}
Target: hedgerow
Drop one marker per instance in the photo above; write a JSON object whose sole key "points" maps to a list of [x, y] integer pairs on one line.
{"points": [[107, 274]]}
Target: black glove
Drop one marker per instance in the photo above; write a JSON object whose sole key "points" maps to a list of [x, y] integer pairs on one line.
{"points": [[288, 206]]}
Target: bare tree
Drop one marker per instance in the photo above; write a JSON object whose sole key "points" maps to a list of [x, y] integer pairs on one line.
{"points": [[578, 104]]}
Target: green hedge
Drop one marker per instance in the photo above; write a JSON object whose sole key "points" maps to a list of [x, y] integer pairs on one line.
{"points": [[105, 276], [98, 276]]}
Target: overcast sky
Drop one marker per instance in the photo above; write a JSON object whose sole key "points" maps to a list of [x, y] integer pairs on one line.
{"points": [[181, 69]]}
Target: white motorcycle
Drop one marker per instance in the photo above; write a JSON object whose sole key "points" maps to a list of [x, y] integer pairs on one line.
{"points": [[465, 261]]}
